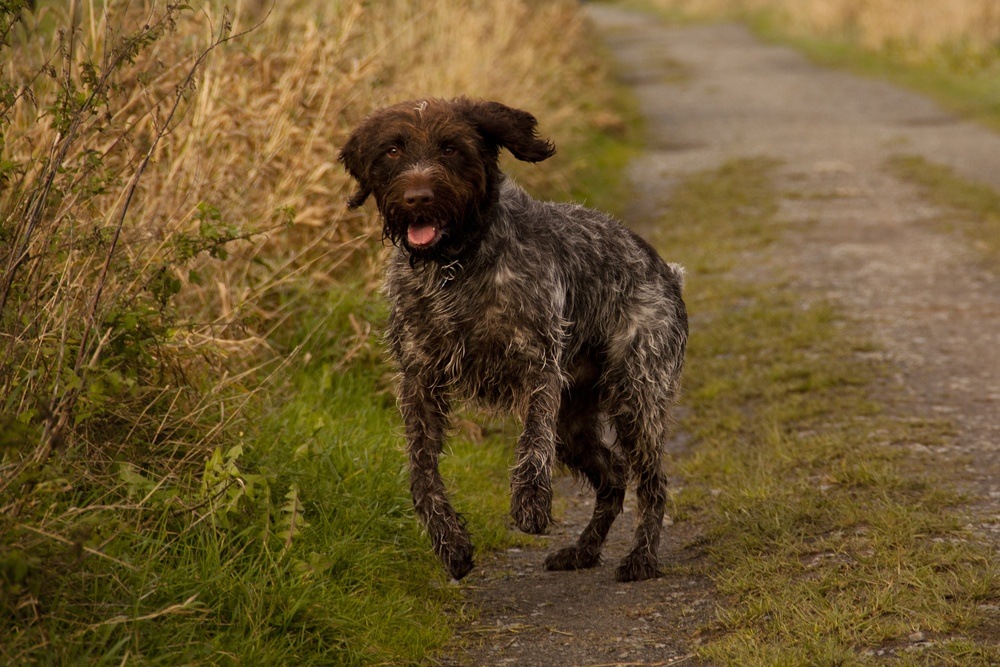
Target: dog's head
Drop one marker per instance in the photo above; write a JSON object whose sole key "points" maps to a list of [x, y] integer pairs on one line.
{"points": [[432, 167]]}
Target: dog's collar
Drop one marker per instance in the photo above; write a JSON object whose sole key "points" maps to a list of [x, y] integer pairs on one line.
{"points": [[449, 272]]}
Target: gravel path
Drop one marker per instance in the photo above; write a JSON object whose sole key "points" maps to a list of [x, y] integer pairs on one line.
{"points": [[859, 236]]}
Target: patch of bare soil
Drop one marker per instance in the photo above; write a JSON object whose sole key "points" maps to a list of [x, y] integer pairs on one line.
{"points": [[860, 237], [527, 616]]}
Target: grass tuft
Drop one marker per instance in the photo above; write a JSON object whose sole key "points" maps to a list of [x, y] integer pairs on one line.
{"points": [[973, 209]]}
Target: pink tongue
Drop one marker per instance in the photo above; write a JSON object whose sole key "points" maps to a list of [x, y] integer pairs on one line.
{"points": [[419, 235]]}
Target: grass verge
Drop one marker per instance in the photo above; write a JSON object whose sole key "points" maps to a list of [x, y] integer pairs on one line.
{"points": [[973, 209], [360, 570], [831, 544], [305, 549]]}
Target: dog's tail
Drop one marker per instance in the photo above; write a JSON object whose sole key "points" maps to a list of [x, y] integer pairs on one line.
{"points": [[679, 272]]}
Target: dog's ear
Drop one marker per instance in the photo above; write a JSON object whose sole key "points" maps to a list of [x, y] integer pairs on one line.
{"points": [[505, 127], [357, 164]]}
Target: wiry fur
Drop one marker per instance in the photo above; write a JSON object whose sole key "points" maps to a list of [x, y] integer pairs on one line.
{"points": [[553, 311]]}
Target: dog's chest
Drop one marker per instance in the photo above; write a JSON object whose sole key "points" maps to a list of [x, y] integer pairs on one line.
{"points": [[476, 335]]}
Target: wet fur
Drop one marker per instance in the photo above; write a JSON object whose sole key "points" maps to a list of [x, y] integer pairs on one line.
{"points": [[553, 311]]}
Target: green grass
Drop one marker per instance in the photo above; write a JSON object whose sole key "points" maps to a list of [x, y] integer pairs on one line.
{"points": [[972, 209], [825, 537], [307, 550]]}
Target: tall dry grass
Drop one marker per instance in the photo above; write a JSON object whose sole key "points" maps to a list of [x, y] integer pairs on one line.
{"points": [[914, 29], [169, 184], [246, 165]]}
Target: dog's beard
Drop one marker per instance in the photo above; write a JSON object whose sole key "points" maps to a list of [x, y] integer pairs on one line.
{"points": [[434, 234]]}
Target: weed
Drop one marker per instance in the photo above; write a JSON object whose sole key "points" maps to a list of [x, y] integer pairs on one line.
{"points": [[86, 315]]}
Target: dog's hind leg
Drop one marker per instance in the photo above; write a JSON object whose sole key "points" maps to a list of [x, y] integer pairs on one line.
{"points": [[643, 446], [606, 473], [581, 448], [425, 415]]}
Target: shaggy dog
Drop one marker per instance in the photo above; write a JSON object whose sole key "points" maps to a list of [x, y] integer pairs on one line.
{"points": [[553, 311]]}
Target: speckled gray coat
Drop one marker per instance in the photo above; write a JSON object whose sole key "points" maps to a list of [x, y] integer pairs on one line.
{"points": [[555, 312]]}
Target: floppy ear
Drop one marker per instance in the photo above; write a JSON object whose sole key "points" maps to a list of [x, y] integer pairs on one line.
{"points": [[505, 127], [353, 159]]}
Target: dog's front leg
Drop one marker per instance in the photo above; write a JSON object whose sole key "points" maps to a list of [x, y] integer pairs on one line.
{"points": [[425, 415], [531, 478]]}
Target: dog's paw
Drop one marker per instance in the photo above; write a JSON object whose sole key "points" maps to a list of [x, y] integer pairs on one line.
{"points": [[531, 509], [572, 558], [458, 560], [636, 567]]}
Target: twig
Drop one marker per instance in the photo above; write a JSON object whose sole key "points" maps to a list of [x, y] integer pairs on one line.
{"points": [[183, 607], [561, 632], [665, 663]]}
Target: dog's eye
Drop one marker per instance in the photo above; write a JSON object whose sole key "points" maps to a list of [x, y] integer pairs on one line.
{"points": [[447, 150], [393, 151]]}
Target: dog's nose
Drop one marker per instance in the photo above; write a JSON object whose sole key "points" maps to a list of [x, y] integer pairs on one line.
{"points": [[418, 196]]}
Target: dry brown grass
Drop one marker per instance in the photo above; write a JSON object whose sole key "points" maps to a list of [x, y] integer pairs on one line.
{"points": [[253, 145], [917, 29]]}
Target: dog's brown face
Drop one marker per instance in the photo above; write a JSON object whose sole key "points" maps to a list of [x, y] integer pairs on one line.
{"points": [[432, 167]]}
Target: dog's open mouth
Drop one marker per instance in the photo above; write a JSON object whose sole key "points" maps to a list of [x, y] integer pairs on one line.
{"points": [[422, 234]]}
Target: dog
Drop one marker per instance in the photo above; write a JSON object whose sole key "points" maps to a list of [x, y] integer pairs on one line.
{"points": [[555, 312]]}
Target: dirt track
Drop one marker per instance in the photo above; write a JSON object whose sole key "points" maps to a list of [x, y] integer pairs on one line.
{"points": [[860, 237]]}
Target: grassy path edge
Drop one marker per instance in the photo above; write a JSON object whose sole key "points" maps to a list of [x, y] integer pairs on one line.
{"points": [[830, 543]]}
